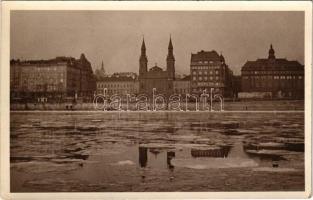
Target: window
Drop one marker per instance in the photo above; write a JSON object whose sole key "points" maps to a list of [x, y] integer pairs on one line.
{"points": [[194, 78], [216, 72], [205, 72], [217, 77], [205, 78], [200, 78], [211, 78], [200, 72], [194, 72], [300, 77]]}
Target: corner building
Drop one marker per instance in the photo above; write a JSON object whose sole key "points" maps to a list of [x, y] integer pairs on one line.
{"points": [[58, 78], [208, 70]]}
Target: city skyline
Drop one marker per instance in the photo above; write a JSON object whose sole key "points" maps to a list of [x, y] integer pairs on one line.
{"points": [[115, 36]]}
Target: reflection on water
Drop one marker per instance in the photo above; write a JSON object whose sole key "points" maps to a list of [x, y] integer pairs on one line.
{"points": [[143, 156], [219, 152], [115, 151], [169, 156]]}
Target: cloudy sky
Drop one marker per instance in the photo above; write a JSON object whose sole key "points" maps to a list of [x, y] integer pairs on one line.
{"points": [[115, 36]]}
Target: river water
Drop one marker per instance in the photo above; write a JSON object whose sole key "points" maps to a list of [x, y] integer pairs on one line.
{"points": [[156, 151]]}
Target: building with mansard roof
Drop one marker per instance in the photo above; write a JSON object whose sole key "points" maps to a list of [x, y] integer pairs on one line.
{"points": [[56, 78], [273, 78], [209, 71], [156, 77]]}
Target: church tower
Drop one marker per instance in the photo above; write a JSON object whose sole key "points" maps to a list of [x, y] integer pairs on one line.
{"points": [[271, 53], [143, 61], [170, 61]]}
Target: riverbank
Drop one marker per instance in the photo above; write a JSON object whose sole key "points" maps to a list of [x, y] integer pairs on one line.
{"points": [[279, 105]]}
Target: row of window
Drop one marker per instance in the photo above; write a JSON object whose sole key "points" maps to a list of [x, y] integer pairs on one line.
{"points": [[113, 85], [205, 72], [269, 84], [39, 69], [46, 81], [120, 91], [208, 84], [202, 62], [42, 78], [274, 77], [270, 72], [208, 89], [205, 78], [205, 67]]}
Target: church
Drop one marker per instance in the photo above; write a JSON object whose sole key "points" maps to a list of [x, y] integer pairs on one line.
{"points": [[156, 77]]}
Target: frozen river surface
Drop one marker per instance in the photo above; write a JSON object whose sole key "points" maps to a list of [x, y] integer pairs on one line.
{"points": [[170, 151]]}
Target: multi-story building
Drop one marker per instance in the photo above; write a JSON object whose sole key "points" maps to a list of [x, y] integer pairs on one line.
{"points": [[273, 77], [118, 85], [156, 77], [182, 85], [56, 78], [208, 71], [125, 74]]}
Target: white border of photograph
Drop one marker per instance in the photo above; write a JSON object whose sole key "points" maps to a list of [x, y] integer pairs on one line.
{"points": [[6, 7]]}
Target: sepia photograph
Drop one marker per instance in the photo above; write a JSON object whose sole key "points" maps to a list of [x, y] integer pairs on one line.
{"points": [[157, 100]]}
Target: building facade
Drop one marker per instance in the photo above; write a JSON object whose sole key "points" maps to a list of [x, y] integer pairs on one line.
{"points": [[132, 75], [182, 85], [57, 78], [208, 71], [273, 77], [118, 85], [156, 77]]}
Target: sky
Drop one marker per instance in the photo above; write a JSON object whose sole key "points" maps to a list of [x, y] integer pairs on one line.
{"points": [[115, 37]]}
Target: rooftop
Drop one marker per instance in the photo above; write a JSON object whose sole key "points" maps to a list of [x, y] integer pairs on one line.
{"points": [[156, 69], [115, 78], [81, 63], [205, 56], [272, 64]]}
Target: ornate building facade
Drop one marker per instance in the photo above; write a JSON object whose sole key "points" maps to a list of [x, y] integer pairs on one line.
{"points": [[208, 71], [273, 77], [57, 78], [121, 85], [156, 77]]}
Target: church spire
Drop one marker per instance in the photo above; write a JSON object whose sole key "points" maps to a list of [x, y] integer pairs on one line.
{"points": [[102, 66], [170, 45], [170, 60], [143, 61], [143, 47], [170, 54]]}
